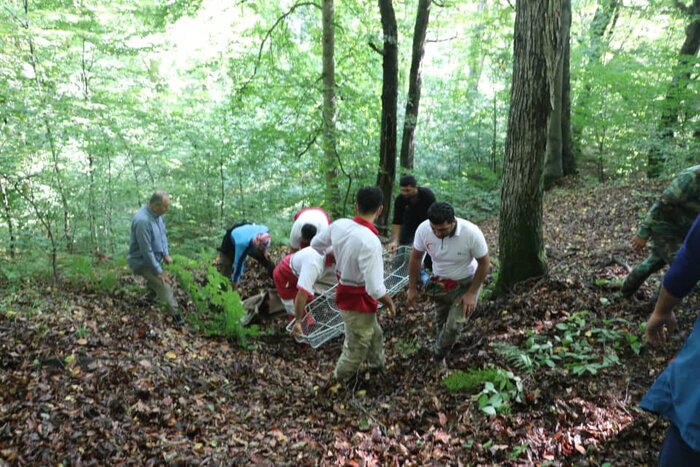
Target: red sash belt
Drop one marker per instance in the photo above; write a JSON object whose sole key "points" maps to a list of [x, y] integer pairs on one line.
{"points": [[445, 284], [349, 298]]}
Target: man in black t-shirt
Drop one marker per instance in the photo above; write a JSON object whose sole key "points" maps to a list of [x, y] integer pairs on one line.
{"points": [[410, 209]]}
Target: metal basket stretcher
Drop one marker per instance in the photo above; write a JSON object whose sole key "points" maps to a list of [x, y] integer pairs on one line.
{"points": [[322, 321]]}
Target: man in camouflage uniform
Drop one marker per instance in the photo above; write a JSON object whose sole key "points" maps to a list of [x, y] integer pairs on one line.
{"points": [[666, 224]]}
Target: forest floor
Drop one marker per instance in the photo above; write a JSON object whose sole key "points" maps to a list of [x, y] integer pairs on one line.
{"points": [[94, 378]]}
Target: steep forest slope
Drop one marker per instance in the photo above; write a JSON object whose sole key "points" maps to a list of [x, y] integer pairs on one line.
{"points": [[89, 377]]}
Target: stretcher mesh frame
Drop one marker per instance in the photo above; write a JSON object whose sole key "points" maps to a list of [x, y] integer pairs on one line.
{"points": [[322, 321]]}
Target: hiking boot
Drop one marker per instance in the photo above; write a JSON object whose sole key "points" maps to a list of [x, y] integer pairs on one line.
{"points": [[177, 318]]}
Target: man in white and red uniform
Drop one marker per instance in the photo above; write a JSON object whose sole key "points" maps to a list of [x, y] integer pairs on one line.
{"points": [[307, 223], [460, 264], [294, 278], [360, 270]]}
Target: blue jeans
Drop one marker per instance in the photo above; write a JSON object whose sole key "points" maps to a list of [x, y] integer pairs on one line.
{"points": [[675, 452]]}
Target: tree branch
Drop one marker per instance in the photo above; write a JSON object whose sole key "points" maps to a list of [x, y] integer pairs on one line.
{"points": [[310, 142], [268, 35], [375, 48], [442, 40]]}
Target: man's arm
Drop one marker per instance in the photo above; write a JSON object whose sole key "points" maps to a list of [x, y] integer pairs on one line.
{"points": [[662, 321], [469, 298], [300, 302], [395, 231], [242, 244], [388, 303], [413, 274], [680, 279], [322, 240]]}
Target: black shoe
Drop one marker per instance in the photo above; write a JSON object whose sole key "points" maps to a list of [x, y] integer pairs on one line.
{"points": [[177, 318]]}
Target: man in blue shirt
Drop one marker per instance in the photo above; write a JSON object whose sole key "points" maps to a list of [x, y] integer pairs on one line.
{"points": [[243, 240], [149, 249], [676, 392]]}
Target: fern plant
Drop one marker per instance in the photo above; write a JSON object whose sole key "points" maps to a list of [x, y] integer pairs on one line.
{"points": [[219, 308], [515, 356]]}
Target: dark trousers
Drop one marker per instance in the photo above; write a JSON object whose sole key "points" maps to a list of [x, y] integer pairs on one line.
{"points": [[675, 452]]}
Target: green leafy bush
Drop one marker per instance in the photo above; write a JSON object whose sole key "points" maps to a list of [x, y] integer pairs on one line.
{"points": [[500, 388], [219, 308]]}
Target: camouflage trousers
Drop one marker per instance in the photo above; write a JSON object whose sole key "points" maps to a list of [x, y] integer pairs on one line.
{"points": [[449, 312], [663, 252], [364, 340], [161, 289]]}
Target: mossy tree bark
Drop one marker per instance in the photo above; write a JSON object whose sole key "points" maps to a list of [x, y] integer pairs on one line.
{"points": [[538, 48]]}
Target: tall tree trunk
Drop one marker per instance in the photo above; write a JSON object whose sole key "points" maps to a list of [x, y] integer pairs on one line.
{"points": [[599, 33], [415, 82], [390, 86], [222, 189], [493, 161], [553, 165], [681, 77], [330, 166], [110, 205], [58, 176], [567, 155], [92, 191], [537, 50], [477, 54], [7, 214], [44, 219], [34, 62]]}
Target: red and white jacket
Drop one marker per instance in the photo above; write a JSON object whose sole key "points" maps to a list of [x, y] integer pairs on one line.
{"points": [[298, 272], [359, 264]]}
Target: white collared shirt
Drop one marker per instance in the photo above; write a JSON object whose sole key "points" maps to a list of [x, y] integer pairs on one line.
{"points": [[453, 257], [308, 265], [358, 255]]}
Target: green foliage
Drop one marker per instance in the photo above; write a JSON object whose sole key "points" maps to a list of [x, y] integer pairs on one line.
{"points": [[89, 272], [578, 346], [409, 347], [579, 343], [515, 356], [500, 388], [219, 309]]}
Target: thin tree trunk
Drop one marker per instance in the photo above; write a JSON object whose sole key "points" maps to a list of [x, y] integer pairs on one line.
{"points": [[476, 57], [494, 135], [92, 192], [45, 221], [553, 165], [110, 205], [599, 33], [67, 236], [49, 133], [537, 51], [7, 211], [332, 201], [415, 82], [390, 85], [681, 78], [568, 160], [222, 189]]}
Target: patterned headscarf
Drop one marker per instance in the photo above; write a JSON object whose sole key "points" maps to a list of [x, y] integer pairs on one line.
{"points": [[262, 240]]}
